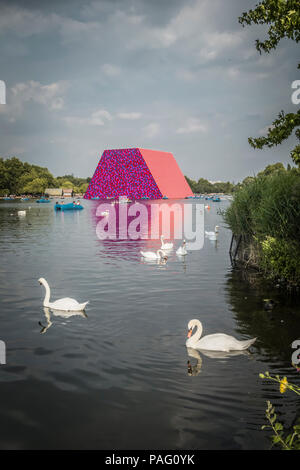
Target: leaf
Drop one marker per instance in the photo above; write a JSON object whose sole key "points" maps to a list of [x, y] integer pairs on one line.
{"points": [[278, 427]]}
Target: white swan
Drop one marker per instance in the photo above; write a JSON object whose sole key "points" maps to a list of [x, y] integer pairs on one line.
{"points": [[151, 255], [212, 234], [182, 250], [66, 304], [165, 246], [104, 213], [215, 342]]}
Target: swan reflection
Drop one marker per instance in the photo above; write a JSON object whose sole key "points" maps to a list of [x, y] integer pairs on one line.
{"points": [[196, 369], [224, 354], [57, 313]]}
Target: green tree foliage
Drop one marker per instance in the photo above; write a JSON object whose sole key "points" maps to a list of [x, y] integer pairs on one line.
{"points": [[272, 169], [70, 181], [283, 20], [203, 186], [17, 177], [35, 186]]}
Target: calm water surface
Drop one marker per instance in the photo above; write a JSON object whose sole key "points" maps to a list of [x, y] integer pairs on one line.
{"points": [[117, 378]]}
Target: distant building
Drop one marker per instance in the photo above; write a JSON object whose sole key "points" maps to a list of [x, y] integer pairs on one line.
{"points": [[55, 192], [67, 192]]}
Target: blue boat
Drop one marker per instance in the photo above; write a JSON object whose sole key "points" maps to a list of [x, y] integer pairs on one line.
{"points": [[68, 207], [42, 200], [165, 197], [8, 198], [216, 199]]}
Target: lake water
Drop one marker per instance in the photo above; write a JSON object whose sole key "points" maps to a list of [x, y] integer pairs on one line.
{"points": [[117, 378]]}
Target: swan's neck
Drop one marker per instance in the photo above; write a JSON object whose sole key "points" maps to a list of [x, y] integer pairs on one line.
{"points": [[197, 335], [47, 295]]}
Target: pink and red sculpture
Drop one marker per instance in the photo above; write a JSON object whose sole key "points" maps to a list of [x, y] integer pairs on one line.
{"points": [[137, 173]]}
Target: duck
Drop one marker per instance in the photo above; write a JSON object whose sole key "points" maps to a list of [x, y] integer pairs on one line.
{"points": [[66, 304], [165, 246], [214, 342], [182, 249], [160, 254]]}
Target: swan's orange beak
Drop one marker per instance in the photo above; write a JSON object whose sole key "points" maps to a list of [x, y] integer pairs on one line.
{"points": [[190, 332]]}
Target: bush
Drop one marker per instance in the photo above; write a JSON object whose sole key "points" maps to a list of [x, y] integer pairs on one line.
{"points": [[281, 258], [267, 210]]}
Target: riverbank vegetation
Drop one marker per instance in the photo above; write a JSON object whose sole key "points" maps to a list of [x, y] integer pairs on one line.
{"points": [[17, 177], [265, 213], [203, 186]]}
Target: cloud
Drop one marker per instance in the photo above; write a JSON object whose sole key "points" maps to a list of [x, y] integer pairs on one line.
{"points": [[111, 70], [97, 118], [24, 22], [151, 130], [129, 116], [50, 96], [192, 125]]}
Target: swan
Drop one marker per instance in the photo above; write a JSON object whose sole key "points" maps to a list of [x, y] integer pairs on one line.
{"points": [[21, 213], [165, 246], [215, 342], [105, 213], [182, 249], [212, 234], [66, 304], [151, 255]]}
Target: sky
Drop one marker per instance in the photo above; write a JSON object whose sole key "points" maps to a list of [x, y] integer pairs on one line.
{"points": [[181, 76]]}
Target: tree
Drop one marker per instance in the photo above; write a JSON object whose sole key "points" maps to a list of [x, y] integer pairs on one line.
{"points": [[67, 184], [83, 187], [272, 169], [283, 20], [12, 170], [36, 186]]}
